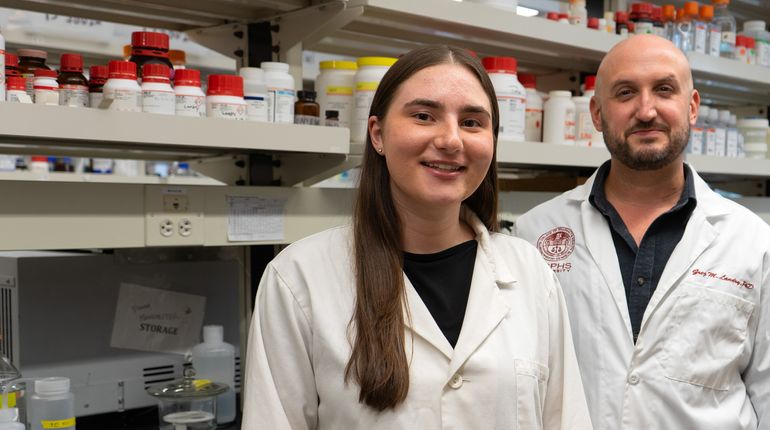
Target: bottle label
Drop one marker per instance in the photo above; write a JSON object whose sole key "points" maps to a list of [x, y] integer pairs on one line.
{"points": [[337, 90], [700, 38], [569, 124], [533, 127], [644, 28], [256, 108], [341, 103], [46, 95], [358, 128], [101, 165], [95, 99], [585, 126], [512, 116], [720, 149], [728, 37], [73, 95], [190, 106], [125, 100], [10, 398], [14, 96], [763, 52], [715, 39], [29, 83], [2, 71], [307, 120], [711, 141], [227, 111], [732, 142], [163, 102], [696, 140], [58, 424], [280, 105]]}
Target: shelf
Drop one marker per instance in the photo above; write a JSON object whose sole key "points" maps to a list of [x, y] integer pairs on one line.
{"points": [[730, 81], [106, 179], [548, 155], [735, 167]]}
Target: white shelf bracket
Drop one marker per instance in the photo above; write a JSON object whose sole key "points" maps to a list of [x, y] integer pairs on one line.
{"points": [[311, 24], [229, 39]]}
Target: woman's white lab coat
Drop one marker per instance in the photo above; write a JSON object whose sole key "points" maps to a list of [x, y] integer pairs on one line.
{"points": [[701, 360], [513, 366]]}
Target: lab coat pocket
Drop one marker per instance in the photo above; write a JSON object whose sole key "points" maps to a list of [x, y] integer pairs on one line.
{"points": [[531, 378], [705, 336]]}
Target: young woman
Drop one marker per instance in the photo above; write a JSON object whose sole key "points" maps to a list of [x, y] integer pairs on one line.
{"points": [[419, 315]]}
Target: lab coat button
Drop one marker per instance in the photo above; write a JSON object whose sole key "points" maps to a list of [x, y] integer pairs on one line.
{"points": [[456, 381], [633, 379]]}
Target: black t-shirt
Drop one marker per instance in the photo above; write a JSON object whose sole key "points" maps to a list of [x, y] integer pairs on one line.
{"points": [[443, 281]]}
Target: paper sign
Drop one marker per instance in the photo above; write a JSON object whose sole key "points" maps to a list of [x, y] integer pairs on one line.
{"points": [[150, 319], [255, 218]]}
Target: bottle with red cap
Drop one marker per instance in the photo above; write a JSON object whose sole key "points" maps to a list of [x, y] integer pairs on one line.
{"points": [[157, 94], [511, 97], [121, 88], [17, 90], [29, 61], [714, 34], [224, 98], [149, 47], [657, 21], [621, 23], [2, 67], [11, 64], [73, 86], [641, 16], [533, 116], [97, 78], [46, 87], [189, 97]]}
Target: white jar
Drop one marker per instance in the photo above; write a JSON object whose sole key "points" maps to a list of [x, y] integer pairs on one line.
{"points": [[584, 126], [189, 97], [368, 77], [255, 93], [559, 118], [533, 117], [334, 87], [17, 90], [757, 31], [52, 402], [46, 87], [280, 92], [511, 97], [157, 94], [121, 87], [755, 134], [224, 98]]}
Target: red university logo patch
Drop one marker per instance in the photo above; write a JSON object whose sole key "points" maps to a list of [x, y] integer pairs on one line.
{"points": [[556, 244]]}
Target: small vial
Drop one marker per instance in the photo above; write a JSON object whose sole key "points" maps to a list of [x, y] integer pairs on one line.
{"points": [[121, 87], [157, 94], [306, 110], [332, 118], [46, 88], [97, 79], [190, 100]]}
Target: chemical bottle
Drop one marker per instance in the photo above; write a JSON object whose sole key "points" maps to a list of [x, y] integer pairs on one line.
{"points": [[727, 27], [732, 137], [697, 132], [334, 86], [594, 23], [609, 22], [578, 14], [714, 36], [2, 67], [700, 31], [584, 126], [73, 86], [669, 21], [52, 406], [214, 359], [559, 118], [657, 21], [11, 64], [751, 47], [9, 419], [38, 164], [723, 122], [641, 16], [621, 23], [189, 97], [157, 94], [306, 110], [756, 30], [29, 61], [533, 118], [684, 33], [46, 87], [224, 97], [122, 88], [17, 90], [710, 145], [589, 86], [148, 47], [255, 93], [370, 72], [97, 77], [178, 59], [511, 97], [280, 92], [332, 118]]}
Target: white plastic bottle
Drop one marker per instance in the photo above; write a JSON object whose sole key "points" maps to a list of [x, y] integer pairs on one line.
{"points": [[714, 34], [732, 137], [189, 97], [710, 146], [727, 27], [52, 406], [533, 119], [698, 132], [255, 93], [122, 88], [334, 86], [157, 94], [224, 98], [370, 72], [723, 122], [280, 92], [17, 90], [46, 87], [578, 14], [700, 33], [757, 31], [2, 67], [214, 359], [584, 126], [511, 97], [9, 419], [559, 118]]}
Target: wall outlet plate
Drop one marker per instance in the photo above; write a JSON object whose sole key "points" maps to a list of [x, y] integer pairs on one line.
{"points": [[174, 215]]}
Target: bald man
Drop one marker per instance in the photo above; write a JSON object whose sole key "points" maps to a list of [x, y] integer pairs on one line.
{"points": [[667, 283]]}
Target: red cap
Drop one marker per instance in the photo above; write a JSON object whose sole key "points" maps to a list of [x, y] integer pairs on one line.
{"points": [[225, 85], [154, 72], [553, 16], [527, 79], [149, 39], [642, 8], [16, 83], [590, 82], [11, 60], [98, 72], [740, 40], [39, 158], [657, 13], [751, 43], [621, 17], [499, 64], [563, 16], [45, 73], [71, 63], [122, 70], [593, 22], [187, 77]]}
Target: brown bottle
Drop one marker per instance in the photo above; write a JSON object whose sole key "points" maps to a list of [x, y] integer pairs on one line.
{"points": [[306, 110], [29, 61], [73, 86]]}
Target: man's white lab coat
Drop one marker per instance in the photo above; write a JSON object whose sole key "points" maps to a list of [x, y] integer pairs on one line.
{"points": [[701, 360]]}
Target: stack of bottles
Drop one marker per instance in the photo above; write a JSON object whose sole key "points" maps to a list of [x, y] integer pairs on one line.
{"points": [[716, 134]]}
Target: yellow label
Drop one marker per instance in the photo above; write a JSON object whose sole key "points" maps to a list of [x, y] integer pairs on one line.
{"points": [[367, 86], [58, 424], [8, 399], [339, 91], [201, 382]]}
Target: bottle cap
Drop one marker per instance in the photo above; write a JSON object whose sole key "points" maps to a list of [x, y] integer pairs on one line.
{"points": [[39, 159], [641, 9], [34, 53], [621, 17], [177, 57], [56, 385], [71, 63], [691, 8], [11, 60], [126, 52], [563, 16], [754, 26], [122, 70], [528, 80], [338, 65], [332, 114], [590, 82], [669, 12], [657, 13], [45, 73], [155, 72], [149, 39], [375, 61], [740, 40], [252, 74], [187, 77], [98, 72], [593, 22], [274, 66], [16, 83], [225, 85], [306, 95], [720, 2], [500, 64], [560, 93], [213, 334], [707, 12], [750, 42], [553, 16], [679, 14]]}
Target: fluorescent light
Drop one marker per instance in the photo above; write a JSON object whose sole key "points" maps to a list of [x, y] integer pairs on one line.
{"points": [[525, 11]]}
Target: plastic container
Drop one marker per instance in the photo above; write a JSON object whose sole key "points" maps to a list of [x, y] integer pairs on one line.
{"points": [[621, 23], [39, 164], [733, 147], [578, 14], [189, 97], [756, 30], [727, 27], [511, 97], [306, 110], [157, 94], [713, 34], [589, 86], [370, 72], [97, 78], [13, 399], [2, 67], [255, 93], [178, 59], [751, 44], [684, 30], [641, 16], [710, 143], [332, 118], [17, 90], [584, 126], [148, 47], [46, 87], [533, 117], [52, 406], [187, 404], [609, 22], [657, 21], [214, 359], [122, 88], [723, 122], [698, 132], [280, 92], [559, 118], [742, 49], [9, 419], [29, 61], [224, 98], [755, 133], [669, 21], [11, 65], [73, 86], [334, 86]]}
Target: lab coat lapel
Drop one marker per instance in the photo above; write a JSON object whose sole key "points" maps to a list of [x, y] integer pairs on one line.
{"points": [[421, 322]]}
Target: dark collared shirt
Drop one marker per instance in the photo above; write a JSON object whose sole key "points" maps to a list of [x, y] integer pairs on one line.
{"points": [[641, 266]]}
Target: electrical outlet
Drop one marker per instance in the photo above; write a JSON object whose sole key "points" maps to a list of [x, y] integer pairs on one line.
{"points": [[174, 215], [167, 228], [185, 227]]}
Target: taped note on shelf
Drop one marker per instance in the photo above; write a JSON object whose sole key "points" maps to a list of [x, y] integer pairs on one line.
{"points": [[150, 319], [255, 218]]}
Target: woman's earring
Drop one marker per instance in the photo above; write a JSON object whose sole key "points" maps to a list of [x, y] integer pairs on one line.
{"points": [[379, 150]]}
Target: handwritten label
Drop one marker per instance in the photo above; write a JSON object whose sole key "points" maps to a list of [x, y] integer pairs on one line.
{"points": [[722, 277]]}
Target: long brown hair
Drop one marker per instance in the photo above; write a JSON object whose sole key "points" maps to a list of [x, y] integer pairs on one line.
{"points": [[378, 360]]}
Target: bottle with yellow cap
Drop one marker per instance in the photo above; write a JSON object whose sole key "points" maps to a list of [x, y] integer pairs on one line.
{"points": [[334, 86], [370, 72]]}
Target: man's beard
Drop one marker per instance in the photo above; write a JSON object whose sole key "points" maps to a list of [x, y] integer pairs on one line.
{"points": [[646, 158]]}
